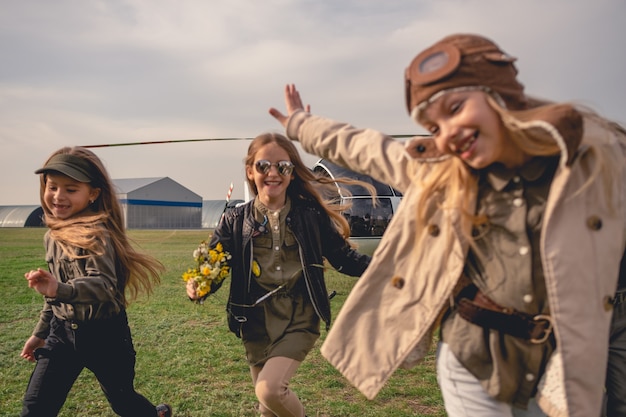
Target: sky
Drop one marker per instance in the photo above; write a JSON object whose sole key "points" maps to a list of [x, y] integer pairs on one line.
{"points": [[76, 72]]}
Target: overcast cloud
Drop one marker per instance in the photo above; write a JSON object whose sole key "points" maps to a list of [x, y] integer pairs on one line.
{"points": [[80, 72]]}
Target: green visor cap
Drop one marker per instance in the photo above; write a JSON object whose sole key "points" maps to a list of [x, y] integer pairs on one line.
{"points": [[70, 165]]}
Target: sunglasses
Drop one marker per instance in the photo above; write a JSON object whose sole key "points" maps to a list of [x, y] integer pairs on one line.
{"points": [[284, 168]]}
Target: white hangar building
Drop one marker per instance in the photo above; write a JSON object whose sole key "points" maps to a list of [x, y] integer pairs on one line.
{"points": [[158, 203], [147, 203], [21, 216]]}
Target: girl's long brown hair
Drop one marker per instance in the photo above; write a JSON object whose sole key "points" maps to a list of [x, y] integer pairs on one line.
{"points": [[137, 271]]}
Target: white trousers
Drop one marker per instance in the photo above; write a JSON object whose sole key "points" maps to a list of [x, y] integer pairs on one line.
{"points": [[464, 396]]}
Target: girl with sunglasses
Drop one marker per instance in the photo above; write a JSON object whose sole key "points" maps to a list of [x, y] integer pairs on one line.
{"points": [[508, 239], [278, 242]]}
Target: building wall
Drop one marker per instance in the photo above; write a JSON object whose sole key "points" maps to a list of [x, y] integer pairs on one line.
{"points": [[162, 215], [159, 203]]}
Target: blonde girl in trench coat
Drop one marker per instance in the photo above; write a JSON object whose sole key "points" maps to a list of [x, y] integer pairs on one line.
{"points": [[508, 240]]}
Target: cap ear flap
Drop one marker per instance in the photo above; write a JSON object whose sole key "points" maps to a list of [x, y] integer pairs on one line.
{"points": [[424, 148]]}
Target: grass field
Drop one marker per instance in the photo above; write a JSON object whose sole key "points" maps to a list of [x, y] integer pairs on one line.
{"points": [[185, 354]]}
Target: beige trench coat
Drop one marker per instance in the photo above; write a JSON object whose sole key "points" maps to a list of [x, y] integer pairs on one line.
{"points": [[389, 317]]}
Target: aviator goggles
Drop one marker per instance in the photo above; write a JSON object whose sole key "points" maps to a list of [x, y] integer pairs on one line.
{"points": [[463, 61], [284, 168]]}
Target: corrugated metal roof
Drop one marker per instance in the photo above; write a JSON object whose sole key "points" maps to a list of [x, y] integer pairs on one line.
{"points": [[20, 216]]}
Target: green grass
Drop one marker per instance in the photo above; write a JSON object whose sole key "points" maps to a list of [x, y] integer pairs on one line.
{"points": [[185, 354]]}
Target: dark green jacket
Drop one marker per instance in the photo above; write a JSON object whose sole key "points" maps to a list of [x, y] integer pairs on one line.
{"points": [[317, 240]]}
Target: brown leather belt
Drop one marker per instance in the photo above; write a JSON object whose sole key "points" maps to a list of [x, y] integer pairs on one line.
{"points": [[477, 308]]}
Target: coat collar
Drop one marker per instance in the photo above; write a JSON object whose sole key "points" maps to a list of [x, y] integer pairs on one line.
{"points": [[499, 176]]}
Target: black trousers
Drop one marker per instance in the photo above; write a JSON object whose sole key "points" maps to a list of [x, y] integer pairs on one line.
{"points": [[104, 347]]}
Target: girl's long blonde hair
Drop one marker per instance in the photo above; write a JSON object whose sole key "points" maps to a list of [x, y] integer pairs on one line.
{"points": [[306, 184], [454, 185], [138, 272]]}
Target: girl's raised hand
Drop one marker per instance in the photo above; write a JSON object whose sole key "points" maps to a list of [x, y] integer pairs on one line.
{"points": [[293, 103], [43, 282]]}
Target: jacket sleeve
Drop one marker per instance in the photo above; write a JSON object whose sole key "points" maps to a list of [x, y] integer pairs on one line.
{"points": [[337, 250], [89, 280], [223, 233], [361, 150], [42, 329]]}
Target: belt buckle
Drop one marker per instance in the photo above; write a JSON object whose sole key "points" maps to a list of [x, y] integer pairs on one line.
{"points": [[546, 332]]}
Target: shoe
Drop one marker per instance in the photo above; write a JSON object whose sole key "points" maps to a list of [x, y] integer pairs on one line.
{"points": [[164, 410]]}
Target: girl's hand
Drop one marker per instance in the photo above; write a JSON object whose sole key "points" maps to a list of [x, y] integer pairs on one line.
{"points": [[293, 104], [191, 290], [43, 282], [33, 343]]}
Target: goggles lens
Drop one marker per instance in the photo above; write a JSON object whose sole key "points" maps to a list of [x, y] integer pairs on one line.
{"points": [[284, 168]]}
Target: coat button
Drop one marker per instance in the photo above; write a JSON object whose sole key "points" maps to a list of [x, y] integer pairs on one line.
{"points": [[594, 223], [397, 282], [479, 229], [433, 230], [608, 303]]}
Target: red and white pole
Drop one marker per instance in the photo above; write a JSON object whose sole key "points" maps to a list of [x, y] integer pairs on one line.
{"points": [[230, 192]]}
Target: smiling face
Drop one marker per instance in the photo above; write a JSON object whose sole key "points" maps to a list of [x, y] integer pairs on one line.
{"points": [[271, 186], [65, 197], [465, 125]]}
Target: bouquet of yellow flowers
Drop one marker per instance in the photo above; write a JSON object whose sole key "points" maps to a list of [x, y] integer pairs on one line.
{"points": [[210, 271]]}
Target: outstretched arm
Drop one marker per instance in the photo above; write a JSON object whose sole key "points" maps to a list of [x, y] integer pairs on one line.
{"points": [[293, 103], [361, 150]]}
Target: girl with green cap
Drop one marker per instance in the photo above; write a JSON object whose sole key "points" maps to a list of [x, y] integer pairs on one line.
{"points": [[93, 273]]}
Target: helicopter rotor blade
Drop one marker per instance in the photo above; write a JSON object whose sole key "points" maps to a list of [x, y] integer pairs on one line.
{"points": [[158, 142]]}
